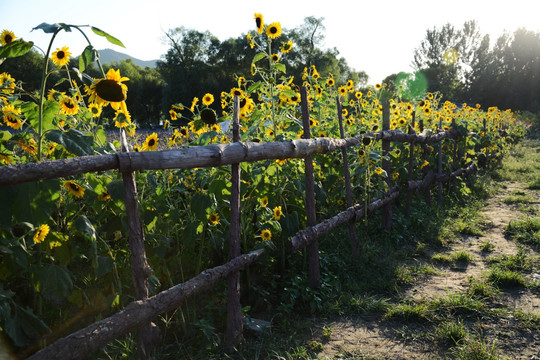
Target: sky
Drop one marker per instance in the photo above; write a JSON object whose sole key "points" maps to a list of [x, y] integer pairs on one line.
{"points": [[377, 36]]}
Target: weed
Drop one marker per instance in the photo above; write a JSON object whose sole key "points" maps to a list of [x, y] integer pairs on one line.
{"points": [[474, 348], [362, 304], [481, 289], [506, 278], [525, 231], [408, 275], [407, 312], [451, 332], [487, 246], [457, 304]]}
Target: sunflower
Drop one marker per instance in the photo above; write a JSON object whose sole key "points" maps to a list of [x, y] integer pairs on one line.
{"points": [[74, 188], [264, 201], [342, 90], [344, 112], [266, 234], [378, 171], [277, 213], [395, 175], [7, 37], [208, 99], [69, 106], [250, 40], [109, 90], [122, 119], [350, 84], [213, 218], [286, 47], [330, 82], [7, 83], [41, 233], [5, 159], [184, 132], [11, 116], [194, 103], [378, 86], [151, 142], [274, 57], [61, 56], [259, 22], [358, 95], [273, 30], [95, 109], [237, 92], [253, 69]]}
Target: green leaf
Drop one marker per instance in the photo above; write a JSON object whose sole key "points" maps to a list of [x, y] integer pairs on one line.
{"points": [[24, 326], [85, 227], [200, 206], [33, 202], [258, 57], [73, 140], [104, 265], [254, 87], [109, 37], [55, 282], [48, 28], [87, 57], [15, 48], [281, 67]]}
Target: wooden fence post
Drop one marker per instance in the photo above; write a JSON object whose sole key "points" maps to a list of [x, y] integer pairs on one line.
{"points": [[410, 166], [233, 333], [439, 168], [348, 191], [387, 209], [148, 334], [425, 171], [313, 248]]}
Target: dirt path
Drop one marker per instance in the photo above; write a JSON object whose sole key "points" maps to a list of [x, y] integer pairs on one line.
{"points": [[366, 337]]}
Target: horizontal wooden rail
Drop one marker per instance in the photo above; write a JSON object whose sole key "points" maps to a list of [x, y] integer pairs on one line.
{"points": [[357, 212], [198, 156], [83, 343]]}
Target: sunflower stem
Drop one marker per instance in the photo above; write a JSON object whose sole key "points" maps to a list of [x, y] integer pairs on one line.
{"points": [[44, 76]]}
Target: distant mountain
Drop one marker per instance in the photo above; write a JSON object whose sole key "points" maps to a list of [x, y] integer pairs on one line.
{"points": [[110, 55]]}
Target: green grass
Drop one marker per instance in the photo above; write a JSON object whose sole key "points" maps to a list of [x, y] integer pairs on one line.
{"points": [[507, 278], [409, 275], [518, 199], [475, 349], [525, 231], [481, 289], [457, 259], [408, 312], [451, 332], [487, 246]]}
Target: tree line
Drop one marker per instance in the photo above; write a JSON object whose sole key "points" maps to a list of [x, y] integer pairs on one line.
{"points": [[460, 63]]}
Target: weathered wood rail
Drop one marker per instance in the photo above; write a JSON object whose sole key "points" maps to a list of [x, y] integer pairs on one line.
{"points": [[137, 315]]}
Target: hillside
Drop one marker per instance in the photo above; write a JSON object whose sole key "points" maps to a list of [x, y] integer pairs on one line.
{"points": [[109, 56]]}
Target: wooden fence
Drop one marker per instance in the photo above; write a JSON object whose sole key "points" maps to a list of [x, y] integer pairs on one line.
{"points": [[137, 316]]}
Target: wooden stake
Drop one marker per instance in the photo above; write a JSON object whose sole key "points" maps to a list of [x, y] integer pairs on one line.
{"points": [[387, 209], [410, 166], [313, 248], [348, 190], [233, 333], [148, 334]]}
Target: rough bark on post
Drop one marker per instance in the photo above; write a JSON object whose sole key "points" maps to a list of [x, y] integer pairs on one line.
{"points": [[313, 248], [233, 333], [410, 165], [148, 334], [387, 209], [348, 190], [425, 170], [439, 169]]}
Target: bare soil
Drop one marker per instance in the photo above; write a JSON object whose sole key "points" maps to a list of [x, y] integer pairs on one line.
{"points": [[370, 337]]}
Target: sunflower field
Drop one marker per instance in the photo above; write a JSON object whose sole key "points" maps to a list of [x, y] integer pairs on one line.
{"points": [[65, 259]]}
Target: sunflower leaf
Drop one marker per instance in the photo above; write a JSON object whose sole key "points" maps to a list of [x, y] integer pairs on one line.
{"points": [[73, 140], [280, 67], [109, 37], [48, 28], [258, 57], [15, 48], [55, 282], [87, 57]]}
